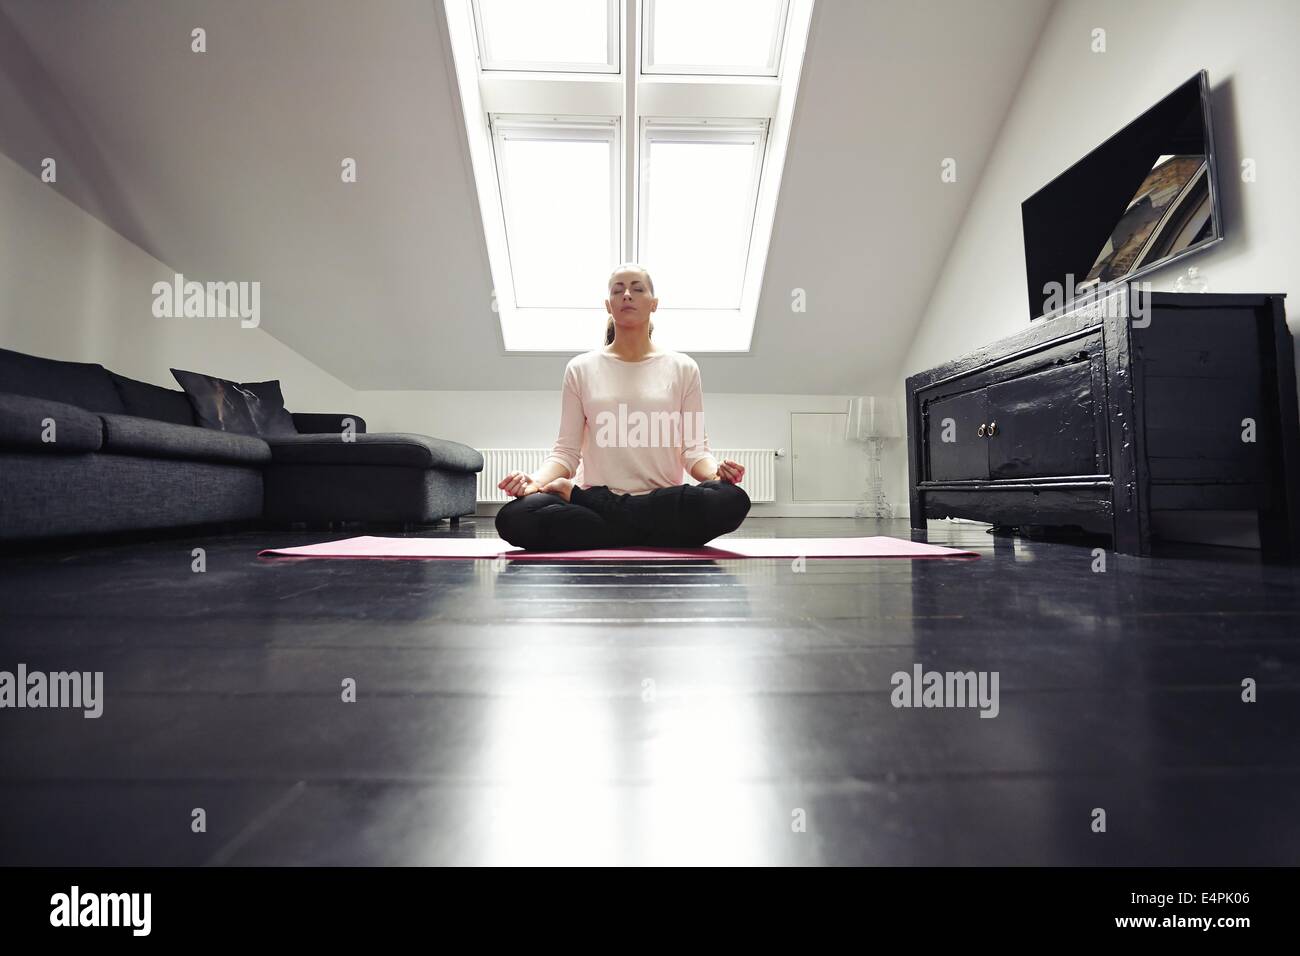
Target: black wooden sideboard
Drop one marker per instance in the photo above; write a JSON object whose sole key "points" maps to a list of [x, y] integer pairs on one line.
{"points": [[1094, 419]]}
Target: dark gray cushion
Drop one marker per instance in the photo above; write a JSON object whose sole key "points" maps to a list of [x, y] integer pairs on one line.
{"points": [[250, 408], [377, 448], [219, 403], [153, 401], [82, 384], [23, 425], [145, 437]]}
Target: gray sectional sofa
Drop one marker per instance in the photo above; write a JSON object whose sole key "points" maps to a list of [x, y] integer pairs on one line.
{"points": [[85, 451]]}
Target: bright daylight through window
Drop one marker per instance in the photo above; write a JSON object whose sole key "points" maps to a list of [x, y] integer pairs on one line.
{"points": [[605, 131]]}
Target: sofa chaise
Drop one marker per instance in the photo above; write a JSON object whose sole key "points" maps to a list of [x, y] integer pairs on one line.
{"points": [[84, 450]]}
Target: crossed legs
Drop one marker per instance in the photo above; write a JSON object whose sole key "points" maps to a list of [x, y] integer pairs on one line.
{"points": [[683, 516]]}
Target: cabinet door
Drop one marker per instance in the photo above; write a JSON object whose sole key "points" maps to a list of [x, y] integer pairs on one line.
{"points": [[1044, 425], [956, 449]]}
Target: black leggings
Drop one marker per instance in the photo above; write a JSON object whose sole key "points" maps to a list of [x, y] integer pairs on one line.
{"points": [[684, 516]]}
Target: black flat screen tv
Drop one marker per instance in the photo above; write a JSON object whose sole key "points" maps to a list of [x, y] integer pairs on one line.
{"points": [[1145, 197]]}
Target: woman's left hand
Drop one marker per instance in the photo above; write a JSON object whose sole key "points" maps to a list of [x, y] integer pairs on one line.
{"points": [[560, 486], [731, 471]]}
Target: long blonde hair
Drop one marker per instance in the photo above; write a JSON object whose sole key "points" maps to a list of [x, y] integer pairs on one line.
{"points": [[627, 267]]}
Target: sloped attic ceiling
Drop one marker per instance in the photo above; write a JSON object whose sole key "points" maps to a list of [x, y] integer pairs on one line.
{"points": [[225, 165]]}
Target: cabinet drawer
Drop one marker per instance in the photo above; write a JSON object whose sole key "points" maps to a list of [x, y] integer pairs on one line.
{"points": [[1044, 425]]}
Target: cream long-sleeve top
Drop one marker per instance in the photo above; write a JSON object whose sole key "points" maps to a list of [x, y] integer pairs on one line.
{"points": [[633, 426]]}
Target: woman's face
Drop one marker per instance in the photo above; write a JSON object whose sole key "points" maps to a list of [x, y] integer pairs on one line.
{"points": [[630, 301]]}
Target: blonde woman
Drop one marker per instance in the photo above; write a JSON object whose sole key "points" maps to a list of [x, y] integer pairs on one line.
{"points": [[631, 429]]}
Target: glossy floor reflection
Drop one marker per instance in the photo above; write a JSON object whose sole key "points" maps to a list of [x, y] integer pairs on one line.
{"points": [[728, 712]]}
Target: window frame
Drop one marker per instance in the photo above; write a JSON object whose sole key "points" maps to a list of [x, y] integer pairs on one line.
{"points": [[694, 130], [561, 128], [771, 69], [612, 64]]}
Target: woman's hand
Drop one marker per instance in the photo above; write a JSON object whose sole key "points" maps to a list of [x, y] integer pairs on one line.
{"points": [[518, 484], [731, 471], [560, 486]]}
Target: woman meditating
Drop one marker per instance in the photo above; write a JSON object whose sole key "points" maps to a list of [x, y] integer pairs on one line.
{"points": [[631, 428]]}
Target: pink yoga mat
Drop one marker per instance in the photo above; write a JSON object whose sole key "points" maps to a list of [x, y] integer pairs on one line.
{"points": [[489, 548]]}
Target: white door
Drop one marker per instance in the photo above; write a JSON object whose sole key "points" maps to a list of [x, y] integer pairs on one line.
{"points": [[826, 465]]}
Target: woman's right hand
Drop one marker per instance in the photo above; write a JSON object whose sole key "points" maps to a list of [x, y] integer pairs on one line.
{"points": [[518, 484]]}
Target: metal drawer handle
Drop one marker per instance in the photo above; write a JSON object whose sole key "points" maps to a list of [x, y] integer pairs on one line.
{"points": [[993, 429], [980, 431]]}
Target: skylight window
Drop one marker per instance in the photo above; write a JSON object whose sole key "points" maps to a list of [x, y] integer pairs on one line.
{"points": [[713, 36], [558, 187], [698, 186], [605, 131], [572, 36]]}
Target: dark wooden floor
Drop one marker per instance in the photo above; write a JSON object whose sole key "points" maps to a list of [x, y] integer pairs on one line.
{"points": [[666, 713]]}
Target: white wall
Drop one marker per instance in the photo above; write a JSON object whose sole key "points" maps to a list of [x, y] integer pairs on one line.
{"points": [[1072, 99], [73, 289]]}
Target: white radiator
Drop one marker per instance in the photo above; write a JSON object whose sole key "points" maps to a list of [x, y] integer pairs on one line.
{"points": [[760, 469], [499, 462]]}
